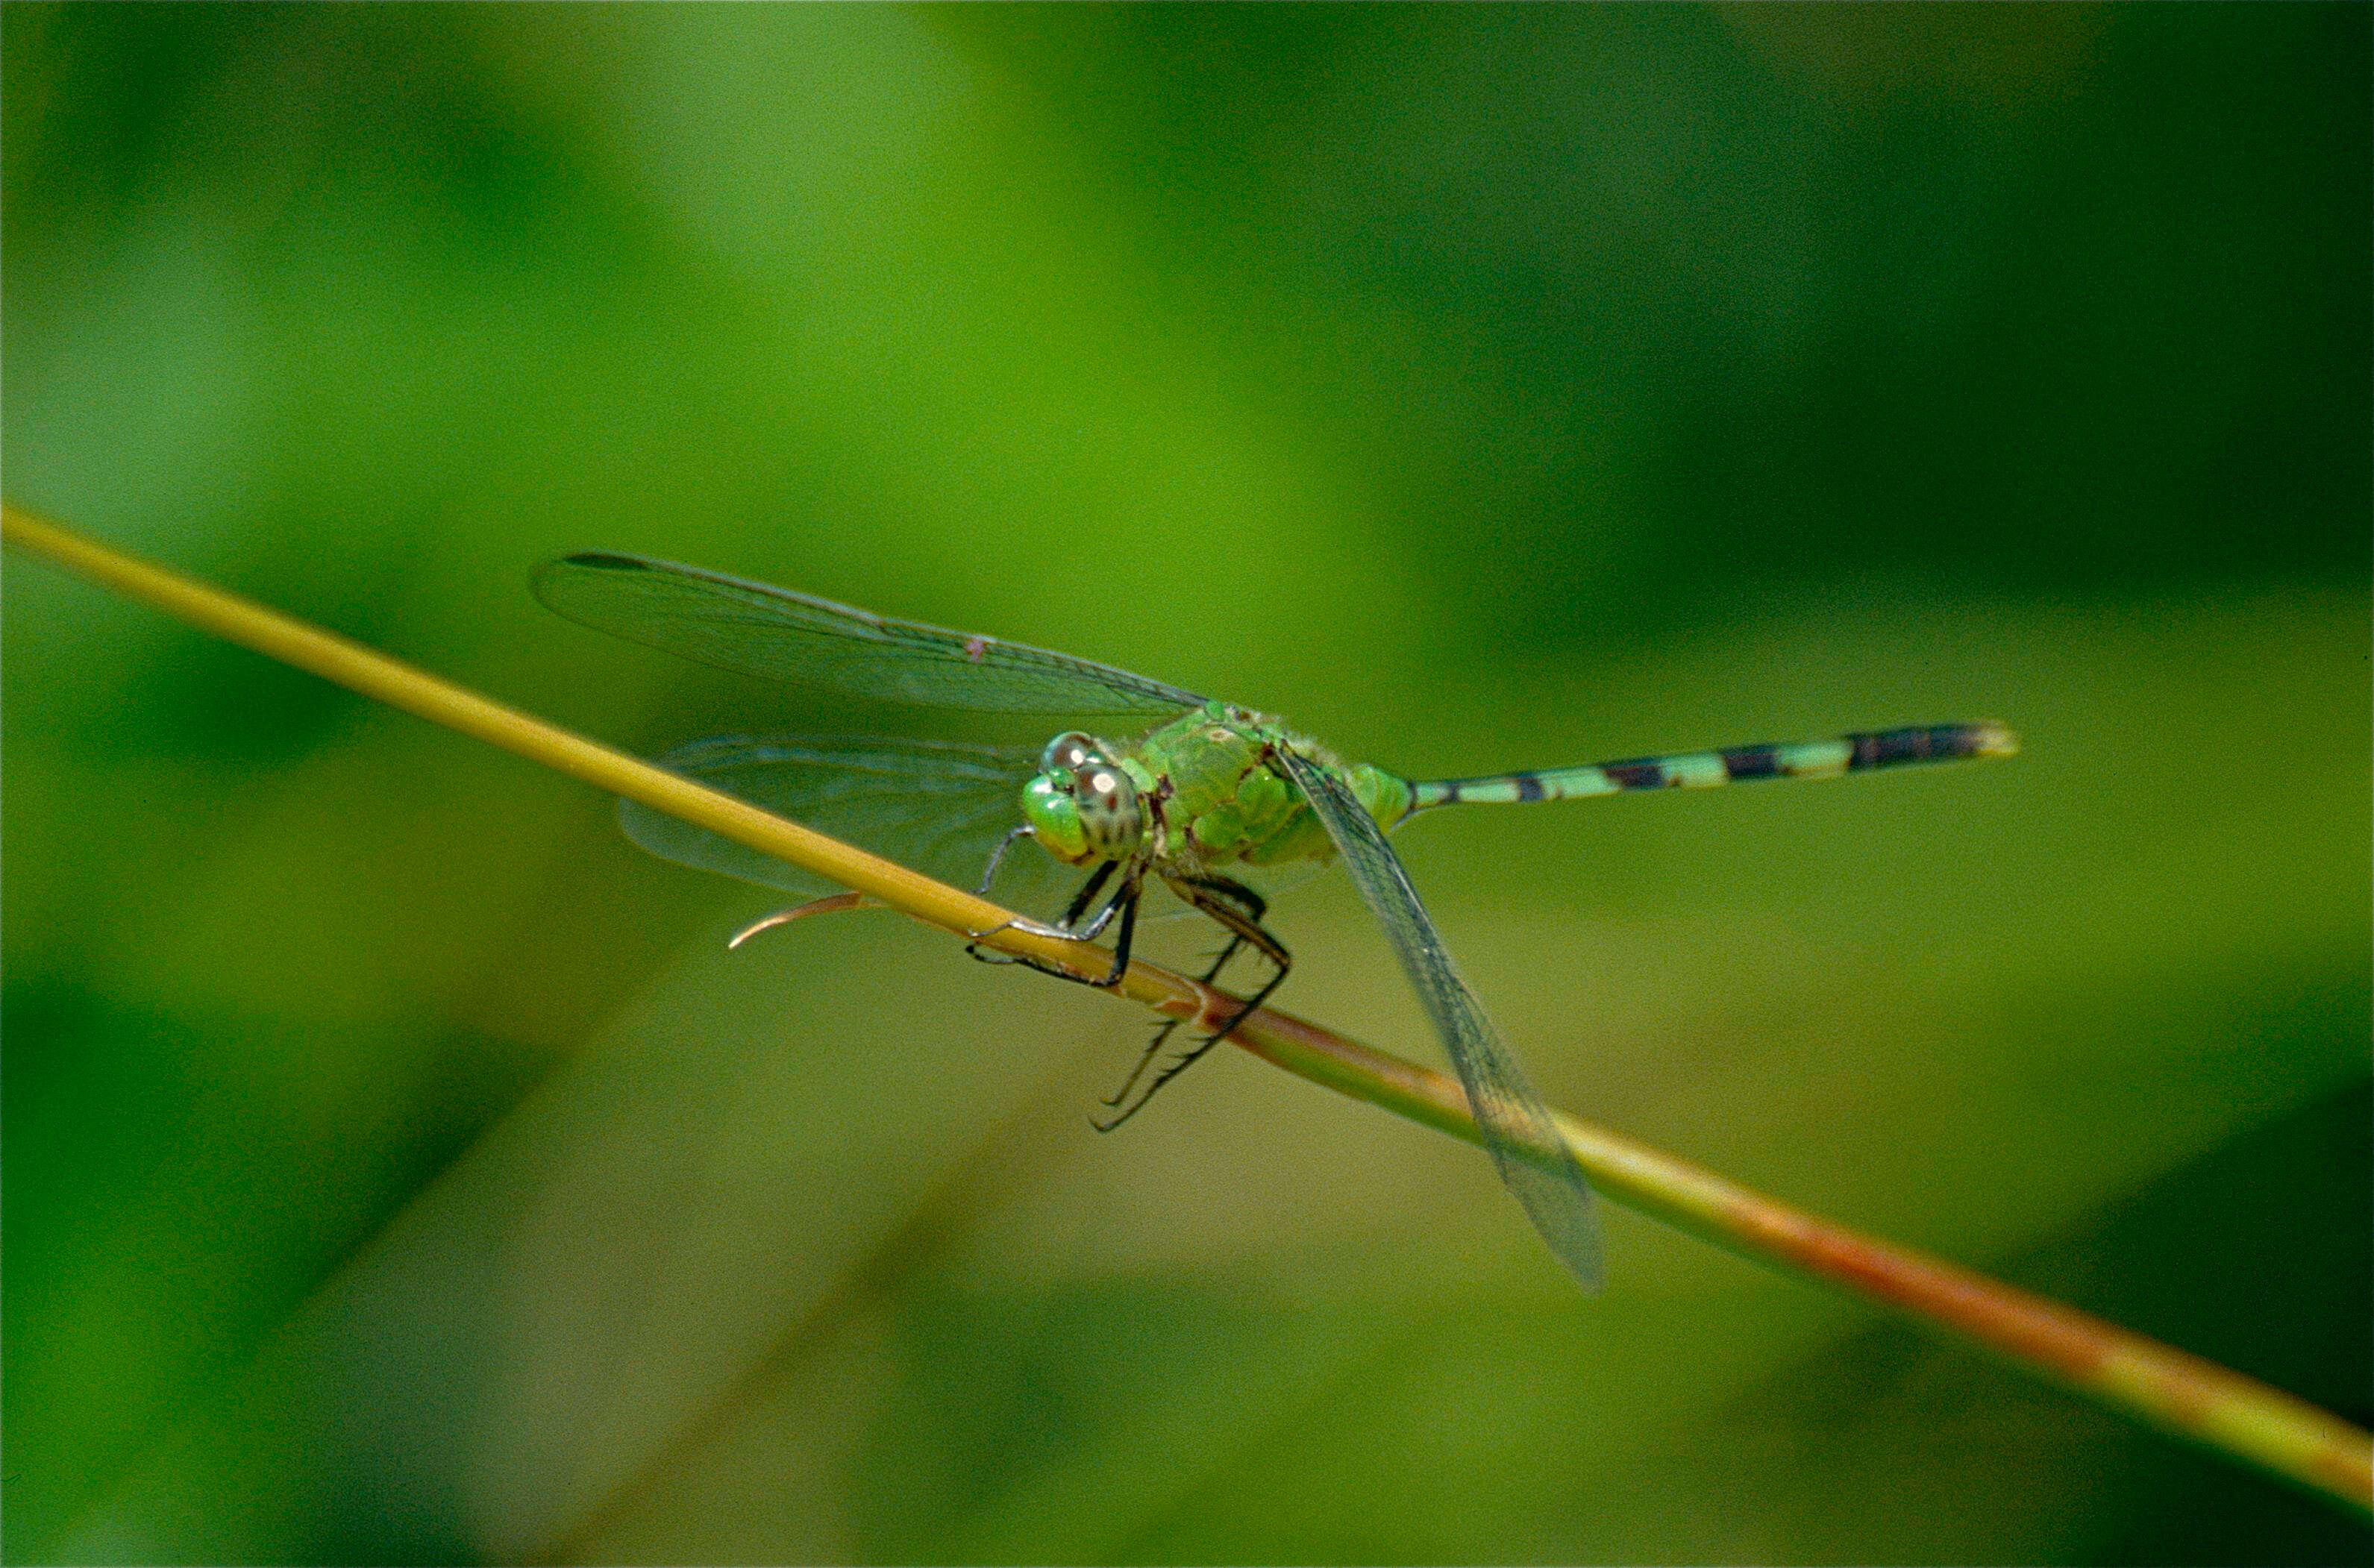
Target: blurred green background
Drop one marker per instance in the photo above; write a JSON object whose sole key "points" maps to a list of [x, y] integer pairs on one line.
{"points": [[397, 1168]]}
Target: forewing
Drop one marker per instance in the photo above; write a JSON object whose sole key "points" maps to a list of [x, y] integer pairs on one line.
{"points": [[757, 629], [934, 806], [1518, 1130]]}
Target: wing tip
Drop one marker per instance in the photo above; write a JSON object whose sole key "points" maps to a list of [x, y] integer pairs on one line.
{"points": [[1570, 1223], [552, 576], [599, 560]]}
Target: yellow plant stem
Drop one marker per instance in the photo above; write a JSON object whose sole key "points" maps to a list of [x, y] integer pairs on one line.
{"points": [[2168, 1388]]}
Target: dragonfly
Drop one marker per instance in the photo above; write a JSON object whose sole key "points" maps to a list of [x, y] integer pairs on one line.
{"points": [[1209, 802]]}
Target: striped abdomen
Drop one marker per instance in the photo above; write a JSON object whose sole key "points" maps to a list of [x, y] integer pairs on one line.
{"points": [[1702, 770]]}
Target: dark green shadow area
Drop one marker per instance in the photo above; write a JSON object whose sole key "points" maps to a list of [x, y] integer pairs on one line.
{"points": [[165, 1211], [2256, 1256]]}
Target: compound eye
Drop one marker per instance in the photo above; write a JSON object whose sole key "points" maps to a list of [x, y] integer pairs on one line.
{"points": [[1069, 753], [1109, 815]]}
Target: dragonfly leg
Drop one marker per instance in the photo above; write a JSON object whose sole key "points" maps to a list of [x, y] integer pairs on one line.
{"points": [[1237, 909], [1071, 915], [1096, 928], [1127, 899], [997, 858], [1254, 906], [1123, 903]]}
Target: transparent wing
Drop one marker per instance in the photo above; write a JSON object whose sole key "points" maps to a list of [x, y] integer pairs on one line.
{"points": [[934, 806], [774, 633], [1518, 1131]]}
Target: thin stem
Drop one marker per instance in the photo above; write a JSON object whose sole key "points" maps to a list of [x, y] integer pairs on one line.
{"points": [[2168, 1388]]}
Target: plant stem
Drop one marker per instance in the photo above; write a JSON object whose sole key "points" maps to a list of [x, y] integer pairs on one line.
{"points": [[2179, 1393]]}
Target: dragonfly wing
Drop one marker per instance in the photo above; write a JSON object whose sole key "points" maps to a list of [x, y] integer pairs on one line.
{"points": [[936, 806], [757, 629], [1518, 1130]]}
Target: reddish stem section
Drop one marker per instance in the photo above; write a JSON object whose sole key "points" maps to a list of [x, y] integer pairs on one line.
{"points": [[2171, 1389], [2031, 1327]]}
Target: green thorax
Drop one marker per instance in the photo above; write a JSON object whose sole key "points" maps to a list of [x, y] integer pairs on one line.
{"points": [[1221, 800]]}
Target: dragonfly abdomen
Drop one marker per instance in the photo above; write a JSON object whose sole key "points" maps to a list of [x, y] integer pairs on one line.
{"points": [[1858, 753]]}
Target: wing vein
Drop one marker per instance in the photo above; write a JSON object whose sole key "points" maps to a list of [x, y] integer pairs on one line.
{"points": [[1518, 1132], [754, 628]]}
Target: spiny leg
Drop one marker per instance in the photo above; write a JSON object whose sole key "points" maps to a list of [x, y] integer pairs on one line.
{"points": [[1126, 900], [1254, 907], [997, 856], [1215, 901], [1071, 915], [1123, 902], [1080, 901]]}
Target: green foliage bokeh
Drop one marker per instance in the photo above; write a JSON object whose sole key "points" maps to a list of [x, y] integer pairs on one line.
{"points": [[396, 1167]]}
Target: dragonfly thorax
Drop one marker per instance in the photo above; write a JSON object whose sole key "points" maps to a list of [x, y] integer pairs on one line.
{"points": [[1082, 807]]}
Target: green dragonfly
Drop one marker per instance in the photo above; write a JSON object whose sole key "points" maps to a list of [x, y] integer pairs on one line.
{"points": [[1207, 803]]}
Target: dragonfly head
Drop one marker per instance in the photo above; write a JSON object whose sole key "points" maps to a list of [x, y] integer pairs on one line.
{"points": [[1082, 808]]}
